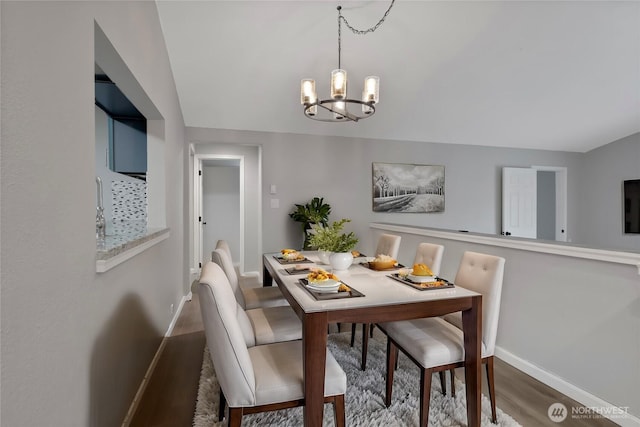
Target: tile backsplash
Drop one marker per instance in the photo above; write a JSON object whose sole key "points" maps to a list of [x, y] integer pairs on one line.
{"points": [[129, 200]]}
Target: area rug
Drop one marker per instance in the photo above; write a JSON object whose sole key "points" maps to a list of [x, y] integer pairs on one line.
{"points": [[364, 401]]}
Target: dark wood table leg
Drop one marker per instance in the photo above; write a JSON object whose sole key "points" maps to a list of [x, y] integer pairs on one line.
{"points": [[472, 326], [314, 342], [267, 280]]}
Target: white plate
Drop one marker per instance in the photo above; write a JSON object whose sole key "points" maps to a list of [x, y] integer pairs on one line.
{"points": [[321, 290], [329, 283], [421, 279]]}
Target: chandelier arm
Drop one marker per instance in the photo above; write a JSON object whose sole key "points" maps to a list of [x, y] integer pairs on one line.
{"points": [[362, 32]]}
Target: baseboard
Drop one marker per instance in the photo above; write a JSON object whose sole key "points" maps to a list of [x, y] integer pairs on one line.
{"points": [[608, 410], [143, 385], [176, 314]]}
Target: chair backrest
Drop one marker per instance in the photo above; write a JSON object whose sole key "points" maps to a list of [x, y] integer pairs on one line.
{"points": [[482, 273], [388, 244], [221, 258], [430, 255], [222, 244], [225, 327]]}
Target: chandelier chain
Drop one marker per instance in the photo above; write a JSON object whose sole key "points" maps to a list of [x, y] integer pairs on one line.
{"points": [[355, 30], [369, 30]]}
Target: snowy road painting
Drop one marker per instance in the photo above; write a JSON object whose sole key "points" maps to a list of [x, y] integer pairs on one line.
{"points": [[408, 188]]}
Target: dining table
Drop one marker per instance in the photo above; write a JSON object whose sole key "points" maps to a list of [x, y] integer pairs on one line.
{"points": [[375, 297]]}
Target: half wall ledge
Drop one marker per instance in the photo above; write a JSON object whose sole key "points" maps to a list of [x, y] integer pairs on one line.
{"points": [[564, 249], [110, 255]]}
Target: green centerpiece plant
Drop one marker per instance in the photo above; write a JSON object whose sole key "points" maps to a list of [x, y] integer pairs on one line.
{"points": [[331, 238], [333, 244], [315, 211]]}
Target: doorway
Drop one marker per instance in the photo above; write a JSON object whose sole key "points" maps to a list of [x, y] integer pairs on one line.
{"points": [[219, 205], [247, 249], [534, 202]]}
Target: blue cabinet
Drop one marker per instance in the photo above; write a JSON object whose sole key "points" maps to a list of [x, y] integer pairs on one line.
{"points": [[127, 129], [128, 146]]}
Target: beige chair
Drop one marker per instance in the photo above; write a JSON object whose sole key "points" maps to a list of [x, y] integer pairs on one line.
{"points": [[250, 279], [430, 255], [388, 244], [268, 324], [437, 344], [248, 298], [256, 378]]}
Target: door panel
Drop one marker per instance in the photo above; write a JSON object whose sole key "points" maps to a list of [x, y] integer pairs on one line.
{"points": [[519, 202]]}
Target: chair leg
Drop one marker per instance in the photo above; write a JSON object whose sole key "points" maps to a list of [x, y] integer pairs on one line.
{"points": [[338, 411], [425, 396], [492, 391], [353, 333], [443, 382], [372, 326], [453, 382], [222, 406], [392, 354], [365, 345], [235, 417]]}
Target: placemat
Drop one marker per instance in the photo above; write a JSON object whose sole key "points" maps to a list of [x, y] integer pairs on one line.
{"points": [[321, 296], [292, 261], [422, 286]]}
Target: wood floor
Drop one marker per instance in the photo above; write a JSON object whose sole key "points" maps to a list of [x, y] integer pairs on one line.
{"points": [[170, 397]]}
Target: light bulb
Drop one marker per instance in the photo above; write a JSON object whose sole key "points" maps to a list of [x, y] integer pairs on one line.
{"points": [[308, 91], [371, 89], [338, 84]]}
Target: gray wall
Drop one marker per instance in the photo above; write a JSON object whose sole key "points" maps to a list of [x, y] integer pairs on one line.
{"points": [[600, 203], [304, 166], [76, 344]]}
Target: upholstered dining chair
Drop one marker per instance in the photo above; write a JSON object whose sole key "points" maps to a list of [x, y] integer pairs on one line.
{"points": [[256, 378], [431, 255], [250, 279], [268, 325], [248, 298], [388, 244], [437, 344]]}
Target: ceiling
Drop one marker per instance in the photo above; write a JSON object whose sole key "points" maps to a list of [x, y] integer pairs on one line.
{"points": [[552, 75]]}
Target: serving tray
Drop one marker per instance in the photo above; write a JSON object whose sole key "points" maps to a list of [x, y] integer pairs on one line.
{"points": [[422, 286], [322, 296], [294, 271], [281, 260]]}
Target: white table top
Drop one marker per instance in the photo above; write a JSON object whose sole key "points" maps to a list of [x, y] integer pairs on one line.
{"points": [[379, 290]]}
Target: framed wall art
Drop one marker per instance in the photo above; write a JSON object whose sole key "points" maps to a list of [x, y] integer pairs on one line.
{"points": [[399, 187]]}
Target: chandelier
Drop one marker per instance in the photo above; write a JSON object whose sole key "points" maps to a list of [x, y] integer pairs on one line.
{"points": [[338, 107]]}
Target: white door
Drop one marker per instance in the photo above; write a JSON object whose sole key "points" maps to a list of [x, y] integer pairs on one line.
{"points": [[221, 214], [519, 202], [199, 213]]}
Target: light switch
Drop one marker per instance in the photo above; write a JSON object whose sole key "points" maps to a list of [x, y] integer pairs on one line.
{"points": [[275, 203], [273, 189]]}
